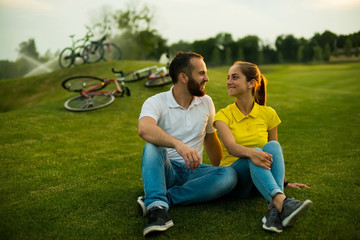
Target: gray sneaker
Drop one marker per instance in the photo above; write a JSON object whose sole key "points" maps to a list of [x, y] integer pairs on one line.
{"points": [[141, 206], [272, 222], [292, 210], [158, 221]]}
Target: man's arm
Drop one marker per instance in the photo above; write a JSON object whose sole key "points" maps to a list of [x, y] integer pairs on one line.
{"points": [[213, 148], [151, 132]]}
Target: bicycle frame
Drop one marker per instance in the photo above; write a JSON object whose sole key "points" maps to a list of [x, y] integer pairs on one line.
{"points": [[160, 72], [116, 92]]}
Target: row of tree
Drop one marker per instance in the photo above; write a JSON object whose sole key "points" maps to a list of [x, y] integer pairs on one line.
{"points": [[139, 40]]}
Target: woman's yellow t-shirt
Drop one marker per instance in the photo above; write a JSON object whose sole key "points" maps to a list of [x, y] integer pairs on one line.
{"points": [[249, 131]]}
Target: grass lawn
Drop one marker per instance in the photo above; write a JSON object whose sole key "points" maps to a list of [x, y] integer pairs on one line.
{"points": [[66, 175]]}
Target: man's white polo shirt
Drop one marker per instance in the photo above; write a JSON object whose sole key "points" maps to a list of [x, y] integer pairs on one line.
{"points": [[188, 125]]}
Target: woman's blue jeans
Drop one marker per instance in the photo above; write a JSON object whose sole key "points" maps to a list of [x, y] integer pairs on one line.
{"points": [[268, 182], [168, 183]]}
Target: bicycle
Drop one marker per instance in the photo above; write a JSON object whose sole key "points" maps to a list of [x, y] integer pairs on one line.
{"points": [[74, 55], [91, 98], [102, 49], [160, 78], [156, 77], [138, 74]]}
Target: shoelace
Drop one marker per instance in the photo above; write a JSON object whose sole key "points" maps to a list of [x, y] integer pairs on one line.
{"points": [[158, 213], [273, 213], [291, 202]]}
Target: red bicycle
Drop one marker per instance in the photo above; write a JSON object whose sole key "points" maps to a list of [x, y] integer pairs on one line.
{"points": [[91, 98]]}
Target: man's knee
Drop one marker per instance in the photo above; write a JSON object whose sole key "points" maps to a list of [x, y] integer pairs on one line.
{"points": [[152, 149], [229, 179]]}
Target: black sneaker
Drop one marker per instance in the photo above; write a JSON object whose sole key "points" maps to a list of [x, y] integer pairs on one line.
{"points": [[292, 210], [158, 220], [141, 206], [272, 222]]}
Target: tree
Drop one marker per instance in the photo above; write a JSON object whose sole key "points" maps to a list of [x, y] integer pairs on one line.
{"points": [[269, 54], [318, 54], [327, 52], [300, 53], [29, 49], [287, 46], [138, 40], [250, 46], [180, 46], [205, 48], [240, 54], [216, 57], [228, 57], [348, 47]]}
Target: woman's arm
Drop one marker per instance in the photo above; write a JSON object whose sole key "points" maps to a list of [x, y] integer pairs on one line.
{"points": [[272, 134], [259, 158]]}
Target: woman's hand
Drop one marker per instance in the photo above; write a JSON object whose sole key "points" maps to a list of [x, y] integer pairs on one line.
{"points": [[261, 159], [297, 185]]}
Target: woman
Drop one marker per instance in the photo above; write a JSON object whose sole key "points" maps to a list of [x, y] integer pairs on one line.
{"points": [[248, 130]]}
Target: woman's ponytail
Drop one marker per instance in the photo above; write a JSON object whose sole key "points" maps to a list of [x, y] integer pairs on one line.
{"points": [[260, 92]]}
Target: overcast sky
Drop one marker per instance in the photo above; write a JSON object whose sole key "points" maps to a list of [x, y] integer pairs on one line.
{"points": [[50, 22]]}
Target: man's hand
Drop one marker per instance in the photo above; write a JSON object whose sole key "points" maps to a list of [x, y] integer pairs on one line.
{"points": [[191, 156]]}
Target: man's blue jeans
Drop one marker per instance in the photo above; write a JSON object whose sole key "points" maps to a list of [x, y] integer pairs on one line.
{"points": [[268, 182], [168, 183]]}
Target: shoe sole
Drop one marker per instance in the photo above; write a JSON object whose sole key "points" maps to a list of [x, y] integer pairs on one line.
{"points": [[158, 228], [141, 207], [272, 229], [291, 219]]}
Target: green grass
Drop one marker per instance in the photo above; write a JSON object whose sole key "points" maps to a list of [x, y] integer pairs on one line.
{"points": [[66, 175]]}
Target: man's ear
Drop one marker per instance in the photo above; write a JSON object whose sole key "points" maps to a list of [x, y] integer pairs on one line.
{"points": [[183, 77]]}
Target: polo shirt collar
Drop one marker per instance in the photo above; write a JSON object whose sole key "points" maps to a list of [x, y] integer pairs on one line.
{"points": [[238, 115], [173, 104]]}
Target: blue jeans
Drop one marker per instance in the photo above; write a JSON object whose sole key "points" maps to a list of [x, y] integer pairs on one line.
{"points": [[267, 182], [168, 183]]}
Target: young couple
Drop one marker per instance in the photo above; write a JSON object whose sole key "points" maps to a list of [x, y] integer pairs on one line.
{"points": [[178, 124]]}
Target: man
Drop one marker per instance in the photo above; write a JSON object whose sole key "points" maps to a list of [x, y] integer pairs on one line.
{"points": [[176, 125]]}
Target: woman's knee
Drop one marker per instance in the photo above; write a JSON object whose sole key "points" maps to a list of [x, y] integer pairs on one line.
{"points": [[272, 145]]}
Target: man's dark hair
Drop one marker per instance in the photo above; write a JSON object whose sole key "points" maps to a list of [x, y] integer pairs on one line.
{"points": [[181, 64]]}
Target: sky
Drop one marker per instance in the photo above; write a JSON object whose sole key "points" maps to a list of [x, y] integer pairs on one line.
{"points": [[50, 22]]}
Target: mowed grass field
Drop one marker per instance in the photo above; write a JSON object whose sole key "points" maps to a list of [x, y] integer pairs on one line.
{"points": [[66, 175]]}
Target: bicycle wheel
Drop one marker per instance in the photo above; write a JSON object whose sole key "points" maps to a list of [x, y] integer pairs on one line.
{"points": [[78, 57], [111, 52], [158, 81], [93, 53], [66, 58], [90, 102], [82, 83]]}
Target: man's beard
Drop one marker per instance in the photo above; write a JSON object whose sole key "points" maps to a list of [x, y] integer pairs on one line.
{"points": [[195, 88]]}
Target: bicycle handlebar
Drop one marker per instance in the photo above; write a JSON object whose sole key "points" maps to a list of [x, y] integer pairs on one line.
{"points": [[121, 72]]}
